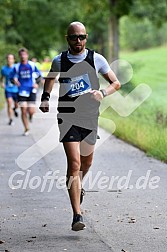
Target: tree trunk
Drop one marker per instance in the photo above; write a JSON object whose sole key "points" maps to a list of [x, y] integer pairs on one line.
{"points": [[113, 35]]}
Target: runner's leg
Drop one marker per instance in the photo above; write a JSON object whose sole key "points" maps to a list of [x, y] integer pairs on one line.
{"points": [[86, 157], [9, 107], [31, 110], [24, 115], [16, 105], [73, 178], [86, 163], [31, 105]]}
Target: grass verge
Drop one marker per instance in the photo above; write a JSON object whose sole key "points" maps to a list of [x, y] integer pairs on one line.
{"points": [[146, 127]]}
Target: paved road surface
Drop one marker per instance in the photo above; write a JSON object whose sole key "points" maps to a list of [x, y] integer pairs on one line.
{"points": [[117, 219]]}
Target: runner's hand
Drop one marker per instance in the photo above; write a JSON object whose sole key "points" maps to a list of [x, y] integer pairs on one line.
{"points": [[16, 82], [35, 85], [3, 85], [44, 107], [97, 95]]}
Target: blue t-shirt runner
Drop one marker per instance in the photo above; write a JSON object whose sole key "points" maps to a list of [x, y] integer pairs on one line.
{"points": [[9, 86], [26, 75]]}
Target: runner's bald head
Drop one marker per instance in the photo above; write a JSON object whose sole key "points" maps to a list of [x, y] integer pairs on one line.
{"points": [[75, 26]]}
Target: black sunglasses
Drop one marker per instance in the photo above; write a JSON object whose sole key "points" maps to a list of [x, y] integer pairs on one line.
{"points": [[75, 37]]}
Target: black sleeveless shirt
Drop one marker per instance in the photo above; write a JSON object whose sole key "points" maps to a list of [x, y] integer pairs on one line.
{"points": [[82, 106]]}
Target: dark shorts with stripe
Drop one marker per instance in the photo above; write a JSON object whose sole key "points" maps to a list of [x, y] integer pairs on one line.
{"points": [[31, 98], [77, 134]]}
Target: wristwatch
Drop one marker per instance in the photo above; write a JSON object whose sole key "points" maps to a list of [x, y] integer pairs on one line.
{"points": [[104, 93], [45, 96]]}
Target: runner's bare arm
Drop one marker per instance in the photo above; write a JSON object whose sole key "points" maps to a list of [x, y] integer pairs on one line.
{"points": [[114, 85], [48, 86], [2, 81]]}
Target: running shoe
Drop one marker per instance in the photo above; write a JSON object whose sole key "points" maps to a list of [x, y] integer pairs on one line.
{"points": [[15, 112], [82, 195], [77, 223], [11, 123], [26, 132]]}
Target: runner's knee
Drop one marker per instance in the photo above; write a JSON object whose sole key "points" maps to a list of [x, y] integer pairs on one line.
{"points": [[73, 167]]}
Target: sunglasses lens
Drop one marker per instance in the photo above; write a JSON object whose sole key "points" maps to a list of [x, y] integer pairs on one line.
{"points": [[75, 37], [82, 37]]}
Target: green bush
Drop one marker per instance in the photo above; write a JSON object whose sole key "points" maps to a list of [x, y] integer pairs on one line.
{"points": [[140, 34]]}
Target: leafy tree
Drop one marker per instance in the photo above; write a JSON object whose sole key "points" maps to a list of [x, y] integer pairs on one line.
{"points": [[117, 9], [147, 35], [154, 10], [40, 25]]}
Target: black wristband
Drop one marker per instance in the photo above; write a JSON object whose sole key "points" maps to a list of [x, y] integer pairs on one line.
{"points": [[45, 96], [104, 93]]}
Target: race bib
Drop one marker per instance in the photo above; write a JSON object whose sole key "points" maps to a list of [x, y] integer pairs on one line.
{"points": [[79, 85], [24, 93]]}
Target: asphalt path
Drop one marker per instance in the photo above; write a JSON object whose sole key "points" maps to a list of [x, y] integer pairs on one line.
{"points": [[125, 207]]}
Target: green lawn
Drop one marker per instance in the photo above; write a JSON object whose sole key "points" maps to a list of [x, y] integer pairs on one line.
{"points": [[146, 127]]}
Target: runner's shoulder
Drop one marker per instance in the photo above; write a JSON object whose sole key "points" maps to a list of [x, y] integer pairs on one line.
{"points": [[99, 56], [4, 68], [56, 62], [57, 58], [32, 64]]}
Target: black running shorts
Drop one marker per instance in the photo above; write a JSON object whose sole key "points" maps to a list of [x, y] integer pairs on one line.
{"points": [[31, 98], [77, 134]]}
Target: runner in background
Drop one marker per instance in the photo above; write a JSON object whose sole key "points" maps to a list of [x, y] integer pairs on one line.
{"points": [[25, 75], [11, 91]]}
